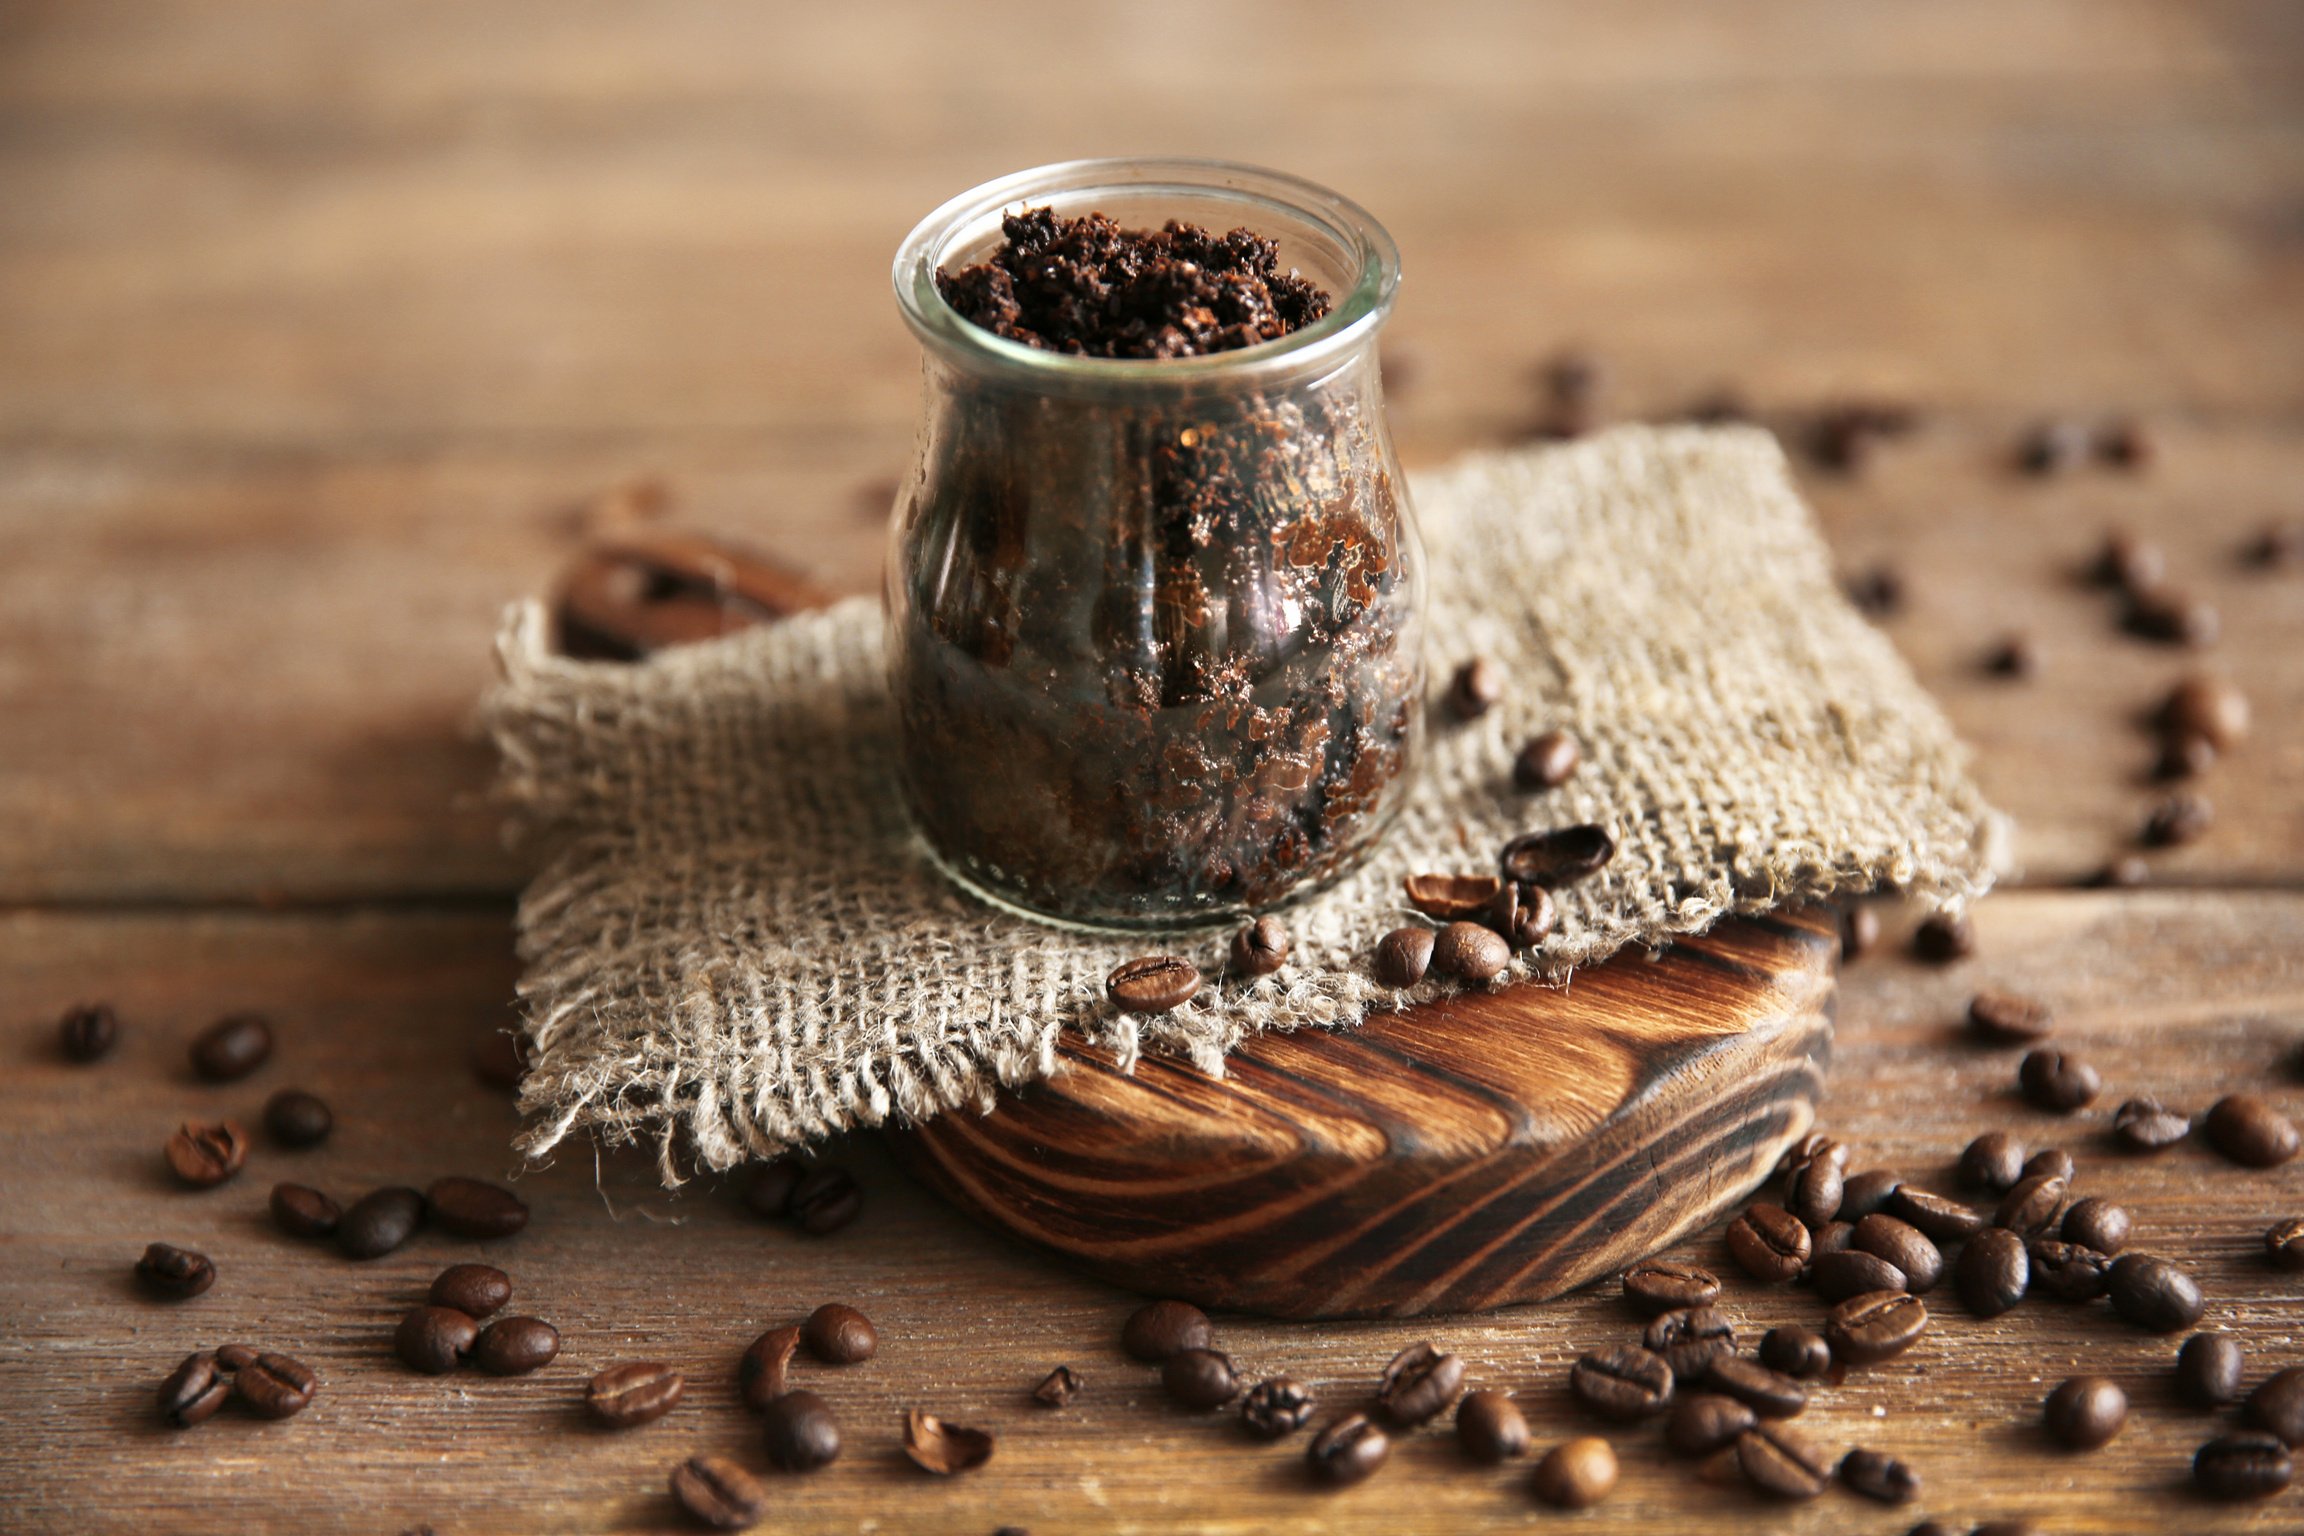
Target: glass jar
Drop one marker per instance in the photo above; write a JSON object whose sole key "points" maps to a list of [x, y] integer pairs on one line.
{"points": [[1155, 625]]}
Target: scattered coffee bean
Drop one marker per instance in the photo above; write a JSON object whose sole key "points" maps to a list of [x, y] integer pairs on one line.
{"points": [[205, 1155], [768, 1192], [469, 1208], [1555, 859], [235, 1357], [298, 1119], [177, 1274], [194, 1391], [2051, 1162], [1844, 436], [1259, 948], [1940, 1218], [2033, 1206], [2273, 546], [2086, 1412], [232, 1047], [1859, 932], [2066, 1271], [1403, 956], [944, 1448], [275, 1386], [2183, 817], [1879, 1477], [1832, 1237], [2053, 447], [2124, 873], [1477, 687], [1861, 1194], [1419, 1383], [2003, 1018], [1452, 898], [2249, 1131], [1877, 593], [1491, 1427], [2012, 656], [1769, 1242], [2277, 1405], [1811, 1147], [2209, 1369], [2177, 618], [2284, 1244], [760, 1370], [826, 1199], [87, 1032], [1200, 1378], [1818, 1189], [1161, 1328], [2147, 1125], [2154, 1294], [1622, 1384], [2133, 565], [1783, 1463], [1576, 1474], [2241, 1466], [476, 1290], [2124, 444], [1993, 1273], [1903, 1245], [840, 1335], [379, 1222], [1864, 1330], [1704, 1422], [435, 1340], [638, 1393], [2096, 1223], [1853, 1272], [1770, 1394], [1547, 762], [1152, 983], [514, 1346], [1796, 1351], [1689, 1339], [1276, 1407], [2184, 755], [1470, 953], [1994, 1161], [1347, 1450], [714, 1491], [1057, 1388], [2058, 1081], [802, 1434], [1941, 940], [1657, 1285]]}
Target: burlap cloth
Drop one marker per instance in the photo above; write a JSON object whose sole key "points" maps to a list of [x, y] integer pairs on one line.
{"points": [[735, 945]]}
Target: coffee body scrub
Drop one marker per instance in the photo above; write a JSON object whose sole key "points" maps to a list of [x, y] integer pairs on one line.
{"points": [[1154, 621]]}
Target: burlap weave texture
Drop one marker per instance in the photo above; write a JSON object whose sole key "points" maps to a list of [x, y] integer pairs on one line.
{"points": [[735, 945]]}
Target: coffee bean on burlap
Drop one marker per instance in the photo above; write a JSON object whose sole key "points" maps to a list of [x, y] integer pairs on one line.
{"points": [[1402, 957], [1259, 948], [1152, 983]]}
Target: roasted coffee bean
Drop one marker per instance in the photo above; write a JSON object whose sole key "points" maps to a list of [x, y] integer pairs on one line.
{"points": [[2184, 756], [1853, 1272], [2154, 1294], [801, 1432], [1419, 1383], [2132, 564], [2049, 1162], [1769, 1242], [1057, 1388], [2053, 447], [1152, 983], [1576, 1474], [1861, 1194], [1200, 1378], [2012, 656], [177, 1274], [1704, 1422], [514, 1346], [1811, 1147], [2004, 1018], [840, 1335], [1347, 1450], [1941, 940], [1783, 1463], [2096, 1223], [2058, 1081], [1994, 1161], [194, 1391], [1477, 687], [1276, 1407], [1940, 1219], [2067, 1271], [1864, 1330], [275, 1386], [1259, 948], [435, 1340], [639, 1393], [1770, 1394], [714, 1491], [2183, 817], [1623, 1383], [2277, 1405], [1879, 1477], [2241, 1466], [1993, 1273], [1658, 1285], [2172, 616], [2209, 708], [1403, 956], [2249, 1131], [2147, 1125], [2124, 444], [2209, 1369], [1452, 898], [1817, 1190], [826, 1199], [1555, 859], [469, 1208], [87, 1032], [232, 1047], [1491, 1427], [2033, 1206], [379, 1222], [2275, 545], [2284, 1244], [1796, 1351], [1471, 953], [1832, 1237], [1535, 914], [1547, 762], [2086, 1412], [760, 1371], [769, 1190], [1161, 1328], [1903, 1245], [476, 1290], [1877, 593], [1689, 1339], [235, 1357], [1859, 932], [298, 1119], [205, 1155]]}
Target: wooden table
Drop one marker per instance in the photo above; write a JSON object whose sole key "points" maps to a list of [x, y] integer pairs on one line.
{"points": [[321, 325]]}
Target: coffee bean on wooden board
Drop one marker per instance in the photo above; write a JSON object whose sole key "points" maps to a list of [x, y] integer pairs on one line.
{"points": [[514, 1346], [2095, 1222], [172, 1273], [1402, 957], [2209, 1370], [1832, 1237], [435, 1340], [2012, 656], [2249, 1131], [826, 1199], [1903, 1245], [2208, 707], [379, 1221], [2274, 546], [1058, 1388], [1259, 948], [1937, 1217], [1795, 1350], [2183, 817], [840, 1335], [1491, 1427], [1783, 1463], [1859, 932], [87, 1032], [2284, 1244], [2184, 756], [1152, 983], [717, 1493], [1476, 688], [2058, 1081], [1576, 1474], [1810, 1148], [2049, 1162], [2066, 1271], [760, 1370], [1704, 1422], [2172, 616], [297, 1119], [1623, 1383], [2033, 1206], [2154, 1294], [1864, 1193], [2147, 1125], [2085, 1412], [275, 1386], [1419, 1383], [1993, 1272], [2005, 1018], [768, 1192], [1280, 1405], [476, 1290], [1200, 1378], [1557, 858], [1657, 1285], [1941, 940], [2277, 1405], [470, 1208], [1451, 898], [1769, 1242], [1689, 1339], [1877, 593], [1470, 953], [639, 1392], [1347, 1450], [1817, 1189], [2054, 447], [1853, 1272], [194, 1391], [203, 1155], [1159, 1329], [236, 1357], [1864, 1330], [1879, 1477], [1547, 761], [232, 1047], [1770, 1394], [802, 1434], [2242, 1466], [1993, 1162]]}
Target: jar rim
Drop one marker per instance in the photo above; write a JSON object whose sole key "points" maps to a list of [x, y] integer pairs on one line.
{"points": [[1352, 320]]}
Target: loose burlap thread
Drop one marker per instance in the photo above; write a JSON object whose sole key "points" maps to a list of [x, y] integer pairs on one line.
{"points": [[736, 945]]}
